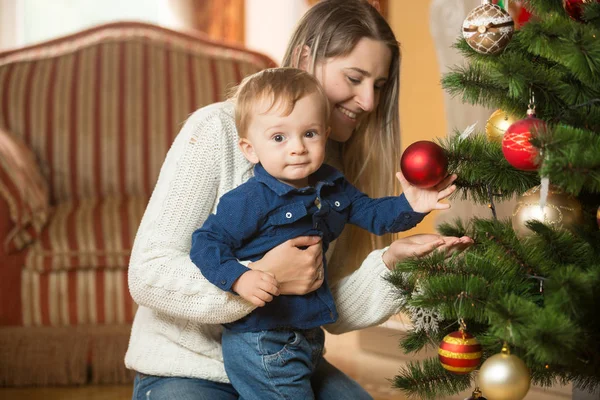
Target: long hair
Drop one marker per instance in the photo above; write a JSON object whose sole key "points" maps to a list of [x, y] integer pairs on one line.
{"points": [[330, 29]]}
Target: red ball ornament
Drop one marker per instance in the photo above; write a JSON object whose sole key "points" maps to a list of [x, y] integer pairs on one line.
{"points": [[424, 164], [515, 143], [574, 9], [460, 352]]}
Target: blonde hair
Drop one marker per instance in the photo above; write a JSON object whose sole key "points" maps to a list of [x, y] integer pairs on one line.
{"points": [[283, 87], [330, 29]]}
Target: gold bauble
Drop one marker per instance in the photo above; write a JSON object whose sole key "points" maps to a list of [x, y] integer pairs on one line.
{"points": [[504, 377], [560, 211], [497, 124]]}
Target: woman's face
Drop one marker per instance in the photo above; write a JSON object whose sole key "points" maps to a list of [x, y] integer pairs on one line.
{"points": [[353, 84]]}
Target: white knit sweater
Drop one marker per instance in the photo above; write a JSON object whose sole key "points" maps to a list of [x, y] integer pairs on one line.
{"points": [[176, 330]]}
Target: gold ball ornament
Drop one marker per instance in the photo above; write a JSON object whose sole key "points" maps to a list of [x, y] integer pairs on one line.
{"points": [[504, 376], [560, 211], [497, 125], [488, 28]]}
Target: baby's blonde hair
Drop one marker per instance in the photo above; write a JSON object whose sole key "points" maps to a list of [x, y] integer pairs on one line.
{"points": [[282, 87]]}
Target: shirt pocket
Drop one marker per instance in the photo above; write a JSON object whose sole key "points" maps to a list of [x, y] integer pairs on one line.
{"points": [[285, 216], [339, 206]]}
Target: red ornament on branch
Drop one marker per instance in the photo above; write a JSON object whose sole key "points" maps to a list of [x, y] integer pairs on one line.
{"points": [[424, 164], [517, 149], [574, 9], [460, 352]]}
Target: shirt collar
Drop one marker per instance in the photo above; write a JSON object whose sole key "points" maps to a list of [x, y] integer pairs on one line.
{"points": [[326, 175]]}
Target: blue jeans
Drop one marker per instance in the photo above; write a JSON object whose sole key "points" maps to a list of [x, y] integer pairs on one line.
{"points": [[273, 364], [328, 383]]}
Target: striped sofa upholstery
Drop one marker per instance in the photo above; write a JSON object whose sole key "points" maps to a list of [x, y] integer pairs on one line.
{"points": [[99, 109]]}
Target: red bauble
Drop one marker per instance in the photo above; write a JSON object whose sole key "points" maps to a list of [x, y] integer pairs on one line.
{"points": [[515, 143], [424, 164], [460, 352], [573, 8]]}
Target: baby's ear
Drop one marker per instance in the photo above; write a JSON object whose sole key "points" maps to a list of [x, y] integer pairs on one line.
{"points": [[248, 150], [327, 132]]}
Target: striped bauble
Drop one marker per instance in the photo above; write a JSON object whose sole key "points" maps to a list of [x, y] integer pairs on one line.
{"points": [[460, 352]]}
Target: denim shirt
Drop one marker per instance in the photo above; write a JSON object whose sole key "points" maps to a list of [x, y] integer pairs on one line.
{"points": [[264, 212]]}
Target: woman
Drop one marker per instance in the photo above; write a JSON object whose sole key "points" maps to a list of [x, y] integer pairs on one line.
{"points": [[175, 340]]}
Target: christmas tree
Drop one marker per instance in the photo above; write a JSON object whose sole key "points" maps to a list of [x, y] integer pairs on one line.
{"points": [[528, 289]]}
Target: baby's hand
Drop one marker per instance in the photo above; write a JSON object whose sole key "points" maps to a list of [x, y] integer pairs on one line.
{"points": [[426, 200], [257, 287]]}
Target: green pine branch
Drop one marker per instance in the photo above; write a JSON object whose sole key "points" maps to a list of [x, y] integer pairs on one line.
{"points": [[480, 165], [429, 380]]}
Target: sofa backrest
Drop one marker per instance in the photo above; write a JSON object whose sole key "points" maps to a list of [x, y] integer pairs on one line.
{"points": [[101, 108]]}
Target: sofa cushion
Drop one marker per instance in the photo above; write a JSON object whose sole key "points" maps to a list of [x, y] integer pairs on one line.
{"points": [[24, 189], [75, 297], [92, 233]]}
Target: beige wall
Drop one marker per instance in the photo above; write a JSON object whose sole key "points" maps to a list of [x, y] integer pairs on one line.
{"points": [[421, 96]]}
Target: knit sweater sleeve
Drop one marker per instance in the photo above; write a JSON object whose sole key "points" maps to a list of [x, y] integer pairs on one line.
{"points": [[364, 298], [162, 276]]}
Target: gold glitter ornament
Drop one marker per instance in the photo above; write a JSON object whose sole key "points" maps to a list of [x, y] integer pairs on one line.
{"points": [[497, 125], [504, 376], [560, 211], [488, 28]]}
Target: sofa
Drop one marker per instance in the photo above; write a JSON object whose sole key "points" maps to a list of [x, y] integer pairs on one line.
{"points": [[85, 123]]}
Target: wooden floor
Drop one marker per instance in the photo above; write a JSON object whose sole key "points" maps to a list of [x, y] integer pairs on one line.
{"points": [[371, 370]]}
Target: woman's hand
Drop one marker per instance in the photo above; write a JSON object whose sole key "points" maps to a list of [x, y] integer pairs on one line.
{"points": [[296, 264], [426, 200], [423, 244]]}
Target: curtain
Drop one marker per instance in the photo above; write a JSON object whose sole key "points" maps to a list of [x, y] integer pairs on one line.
{"points": [[220, 19]]}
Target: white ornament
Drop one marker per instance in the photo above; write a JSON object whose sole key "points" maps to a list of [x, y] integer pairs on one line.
{"points": [[423, 319]]}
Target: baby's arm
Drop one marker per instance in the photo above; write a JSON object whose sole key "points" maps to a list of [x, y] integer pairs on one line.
{"points": [[237, 219], [383, 215]]}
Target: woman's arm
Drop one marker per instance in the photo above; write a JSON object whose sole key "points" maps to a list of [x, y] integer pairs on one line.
{"points": [[161, 275]]}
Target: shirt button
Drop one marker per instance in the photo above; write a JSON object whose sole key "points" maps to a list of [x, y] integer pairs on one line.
{"points": [[223, 282], [288, 215], [337, 203]]}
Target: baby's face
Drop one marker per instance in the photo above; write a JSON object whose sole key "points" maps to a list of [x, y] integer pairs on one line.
{"points": [[289, 147]]}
